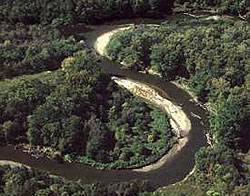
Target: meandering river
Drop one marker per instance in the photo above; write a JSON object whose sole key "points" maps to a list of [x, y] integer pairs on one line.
{"points": [[174, 170]]}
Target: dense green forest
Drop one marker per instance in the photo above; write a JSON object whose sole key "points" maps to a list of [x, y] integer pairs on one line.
{"points": [[21, 181], [54, 94], [212, 58], [28, 49], [86, 11]]}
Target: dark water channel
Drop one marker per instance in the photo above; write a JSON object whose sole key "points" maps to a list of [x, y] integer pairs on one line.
{"points": [[174, 170]]}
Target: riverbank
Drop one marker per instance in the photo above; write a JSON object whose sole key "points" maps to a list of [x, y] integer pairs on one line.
{"points": [[100, 46], [179, 121], [170, 154], [12, 164], [103, 40]]}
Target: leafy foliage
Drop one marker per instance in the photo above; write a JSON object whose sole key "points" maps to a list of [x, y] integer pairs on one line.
{"points": [[214, 56], [33, 49], [81, 113], [87, 11], [20, 181], [234, 7]]}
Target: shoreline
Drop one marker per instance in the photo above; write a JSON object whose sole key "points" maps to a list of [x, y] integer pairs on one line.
{"points": [[103, 40], [170, 154], [13, 164], [179, 121]]}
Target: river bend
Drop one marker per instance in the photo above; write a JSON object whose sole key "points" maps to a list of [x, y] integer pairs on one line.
{"points": [[174, 170]]}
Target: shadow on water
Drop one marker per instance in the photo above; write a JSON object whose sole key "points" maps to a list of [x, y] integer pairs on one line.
{"points": [[173, 171]]}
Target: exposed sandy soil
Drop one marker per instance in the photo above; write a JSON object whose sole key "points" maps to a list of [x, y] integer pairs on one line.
{"points": [[179, 120], [103, 40], [12, 163]]}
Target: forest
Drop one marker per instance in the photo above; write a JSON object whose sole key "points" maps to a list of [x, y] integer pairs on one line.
{"points": [[81, 11], [22, 181], [212, 59], [54, 94]]}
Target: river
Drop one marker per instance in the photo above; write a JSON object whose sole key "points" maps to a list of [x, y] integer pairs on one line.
{"points": [[176, 169]]}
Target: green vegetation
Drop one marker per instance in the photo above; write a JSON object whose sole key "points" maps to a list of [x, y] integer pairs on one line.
{"points": [[20, 181], [215, 51], [86, 11], [214, 58], [81, 113], [77, 111], [234, 7], [84, 117], [31, 49]]}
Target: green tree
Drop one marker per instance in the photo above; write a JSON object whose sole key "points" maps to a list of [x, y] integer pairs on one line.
{"points": [[99, 140]]}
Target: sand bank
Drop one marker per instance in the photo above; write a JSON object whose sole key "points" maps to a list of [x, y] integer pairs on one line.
{"points": [[179, 120]]}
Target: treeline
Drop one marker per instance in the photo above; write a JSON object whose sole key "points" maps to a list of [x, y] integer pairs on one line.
{"points": [[29, 49], [214, 57], [234, 7], [82, 114], [75, 11], [21, 181]]}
